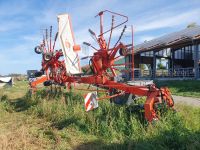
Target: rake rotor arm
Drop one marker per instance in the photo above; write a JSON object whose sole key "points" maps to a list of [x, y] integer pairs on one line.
{"points": [[56, 36], [115, 50], [122, 33], [111, 30], [114, 13], [88, 44]]}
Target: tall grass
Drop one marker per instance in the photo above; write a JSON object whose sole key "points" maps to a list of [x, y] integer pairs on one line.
{"points": [[114, 126]]}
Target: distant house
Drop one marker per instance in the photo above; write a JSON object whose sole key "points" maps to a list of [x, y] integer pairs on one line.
{"points": [[6, 81]]}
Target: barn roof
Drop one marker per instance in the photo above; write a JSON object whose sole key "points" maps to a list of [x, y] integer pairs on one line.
{"points": [[185, 35]]}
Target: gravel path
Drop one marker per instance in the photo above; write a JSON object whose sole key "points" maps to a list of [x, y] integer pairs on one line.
{"points": [[187, 100]]}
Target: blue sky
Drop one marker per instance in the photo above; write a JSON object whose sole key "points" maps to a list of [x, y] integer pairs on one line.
{"points": [[21, 22]]}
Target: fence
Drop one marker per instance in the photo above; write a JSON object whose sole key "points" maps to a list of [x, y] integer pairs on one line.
{"points": [[163, 73]]}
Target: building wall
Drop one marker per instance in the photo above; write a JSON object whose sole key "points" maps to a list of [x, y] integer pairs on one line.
{"points": [[178, 56]]}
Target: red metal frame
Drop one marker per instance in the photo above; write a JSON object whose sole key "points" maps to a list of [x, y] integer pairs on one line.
{"points": [[102, 60]]}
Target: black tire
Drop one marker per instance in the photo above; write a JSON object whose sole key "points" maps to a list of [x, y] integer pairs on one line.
{"points": [[47, 56], [47, 83], [122, 99], [38, 50]]}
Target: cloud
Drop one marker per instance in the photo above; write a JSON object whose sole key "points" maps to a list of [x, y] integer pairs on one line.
{"points": [[12, 7], [21, 22], [33, 37], [18, 59], [10, 25], [12, 14], [46, 18], [168, 20]]}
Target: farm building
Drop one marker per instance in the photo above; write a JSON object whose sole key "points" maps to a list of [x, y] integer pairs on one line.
{"points": [[175, 56]]}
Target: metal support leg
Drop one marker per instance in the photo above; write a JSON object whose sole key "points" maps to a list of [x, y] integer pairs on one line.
{"points": [[196, 61], [172, 63], [154, 65]]}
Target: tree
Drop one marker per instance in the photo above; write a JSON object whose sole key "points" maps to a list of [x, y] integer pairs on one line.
{"points": [[142, 66], [160, 65]]}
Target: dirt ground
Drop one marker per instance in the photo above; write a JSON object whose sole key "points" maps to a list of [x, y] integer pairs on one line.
{"points": [[187, 100]]}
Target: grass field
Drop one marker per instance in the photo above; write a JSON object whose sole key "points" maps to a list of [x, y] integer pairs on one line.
{"points": [[190, 88], [59, 121]]}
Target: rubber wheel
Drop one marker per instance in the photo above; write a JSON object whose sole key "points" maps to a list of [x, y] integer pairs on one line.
{"points": [[47, 83], [122, 99], [47, 56], [38, 50]]}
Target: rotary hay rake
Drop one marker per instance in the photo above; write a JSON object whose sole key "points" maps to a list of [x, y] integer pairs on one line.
{"points": [[66, 71]]}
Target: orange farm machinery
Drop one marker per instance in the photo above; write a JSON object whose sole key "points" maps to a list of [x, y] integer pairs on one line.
{"points": [[62, 67]]}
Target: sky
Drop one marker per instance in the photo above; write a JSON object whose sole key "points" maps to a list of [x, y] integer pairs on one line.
{"points": [[22, 21]]}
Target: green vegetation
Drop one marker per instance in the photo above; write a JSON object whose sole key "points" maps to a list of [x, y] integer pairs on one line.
{"points": [[160, 65], [18, 90], [59, 121], [190, 88]]}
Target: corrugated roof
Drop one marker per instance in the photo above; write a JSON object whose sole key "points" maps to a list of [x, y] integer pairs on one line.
{"points": [[187, 34]]}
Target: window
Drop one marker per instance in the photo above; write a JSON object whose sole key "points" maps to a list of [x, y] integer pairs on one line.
{"points": [[199, 51], [194, 49], [164, 52], [184, 52], [147, 54], [193, 56], [188, 52], [178, 54]]}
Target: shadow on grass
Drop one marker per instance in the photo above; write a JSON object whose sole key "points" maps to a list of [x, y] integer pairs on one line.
{"points": [[70, 121], [20, 105], [23, 103], [29, 100], [165, 140]]}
